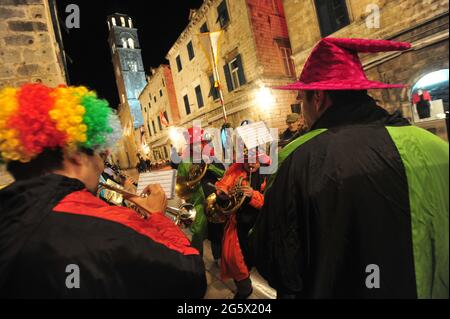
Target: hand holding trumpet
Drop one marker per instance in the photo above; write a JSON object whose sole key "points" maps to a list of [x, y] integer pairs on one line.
{"points": [[153, 199]]}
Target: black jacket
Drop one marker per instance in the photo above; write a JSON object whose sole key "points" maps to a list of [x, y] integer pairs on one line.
{"points": [[115, 257]]}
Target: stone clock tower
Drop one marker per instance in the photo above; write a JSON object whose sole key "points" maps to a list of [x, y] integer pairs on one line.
{"points": [[128, 65]]}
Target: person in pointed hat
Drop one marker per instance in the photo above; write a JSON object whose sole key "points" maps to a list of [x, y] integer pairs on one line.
{"points": [[359, 205], [199, 150]]}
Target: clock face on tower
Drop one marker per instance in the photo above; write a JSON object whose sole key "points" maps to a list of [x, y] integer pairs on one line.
{"points": [[132, 66]]}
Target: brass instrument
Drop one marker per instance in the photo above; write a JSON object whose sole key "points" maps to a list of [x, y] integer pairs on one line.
{"points": [[121, 173], [183, 215], [216, 214], [187, 185]]}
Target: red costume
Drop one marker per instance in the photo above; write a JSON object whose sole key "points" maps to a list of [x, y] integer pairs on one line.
{"points": [[236, 261]]}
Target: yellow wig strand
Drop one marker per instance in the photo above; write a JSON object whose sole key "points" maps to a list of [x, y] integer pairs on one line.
{"points": [[10, 145]]}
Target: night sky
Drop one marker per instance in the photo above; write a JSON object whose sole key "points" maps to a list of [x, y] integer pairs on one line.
{"points": [[159, 24]]}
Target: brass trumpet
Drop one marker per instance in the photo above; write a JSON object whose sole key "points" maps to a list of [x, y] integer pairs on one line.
{"points": [[182, 216]]}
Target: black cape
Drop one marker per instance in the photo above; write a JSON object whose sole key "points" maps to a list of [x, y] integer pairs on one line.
{"points": [[339, 203]]}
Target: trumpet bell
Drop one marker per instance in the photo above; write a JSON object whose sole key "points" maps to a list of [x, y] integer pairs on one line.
{"points": [[183, 189], [184, 215], [213, 212]]}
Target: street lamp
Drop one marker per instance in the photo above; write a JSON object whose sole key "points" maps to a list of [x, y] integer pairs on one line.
{"points": [[264, 98]]}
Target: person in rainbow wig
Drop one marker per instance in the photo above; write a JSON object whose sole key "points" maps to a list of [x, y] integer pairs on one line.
{"points": [[57, 239]]}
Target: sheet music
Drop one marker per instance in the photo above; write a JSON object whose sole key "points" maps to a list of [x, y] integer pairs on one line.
{"points": [[255, 134], [166, 178]]}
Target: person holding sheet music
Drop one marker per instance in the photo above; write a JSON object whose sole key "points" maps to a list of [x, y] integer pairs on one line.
{"points": [[197, 142]]}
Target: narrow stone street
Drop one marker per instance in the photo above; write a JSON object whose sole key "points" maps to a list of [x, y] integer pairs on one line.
{"points": [[217, 289]]}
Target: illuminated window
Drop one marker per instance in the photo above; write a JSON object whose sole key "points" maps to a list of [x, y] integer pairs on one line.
{"points": [[131, 43]]}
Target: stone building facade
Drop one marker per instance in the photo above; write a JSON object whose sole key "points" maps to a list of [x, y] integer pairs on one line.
{"points": [[30, 43], [159, 104], [254, 55], [30, 48], [422, 23]]}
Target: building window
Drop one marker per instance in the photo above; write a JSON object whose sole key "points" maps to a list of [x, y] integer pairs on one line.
{"points": [[154, 127], [163, 83], [122, 21], [332, 14], [190, 50], [234, 74], [187, 106], [154, 98], [114, 21], [214, 92], [124, 43], [149, 129], [179, 65], [131, 43], [130, 23], [149, 105], [198, 93], [204, 28], [224, 17], [167, 118], [159, 124], [160, 93], [295, 108], [288, 63]]}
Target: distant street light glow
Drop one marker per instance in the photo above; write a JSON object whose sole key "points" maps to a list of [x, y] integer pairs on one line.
{"points": [[264, 98]]}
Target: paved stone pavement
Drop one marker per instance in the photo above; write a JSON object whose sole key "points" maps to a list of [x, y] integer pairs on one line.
{"points": [[217, 289]]}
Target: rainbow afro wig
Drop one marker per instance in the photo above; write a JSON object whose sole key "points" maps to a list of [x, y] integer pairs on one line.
{"points": [[35, 117]]}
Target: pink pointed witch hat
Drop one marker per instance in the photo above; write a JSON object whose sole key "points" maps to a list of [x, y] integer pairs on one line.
{"points": [[334, 65]]}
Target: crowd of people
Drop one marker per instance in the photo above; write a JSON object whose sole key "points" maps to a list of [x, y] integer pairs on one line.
{"points": [[358, 207]]}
